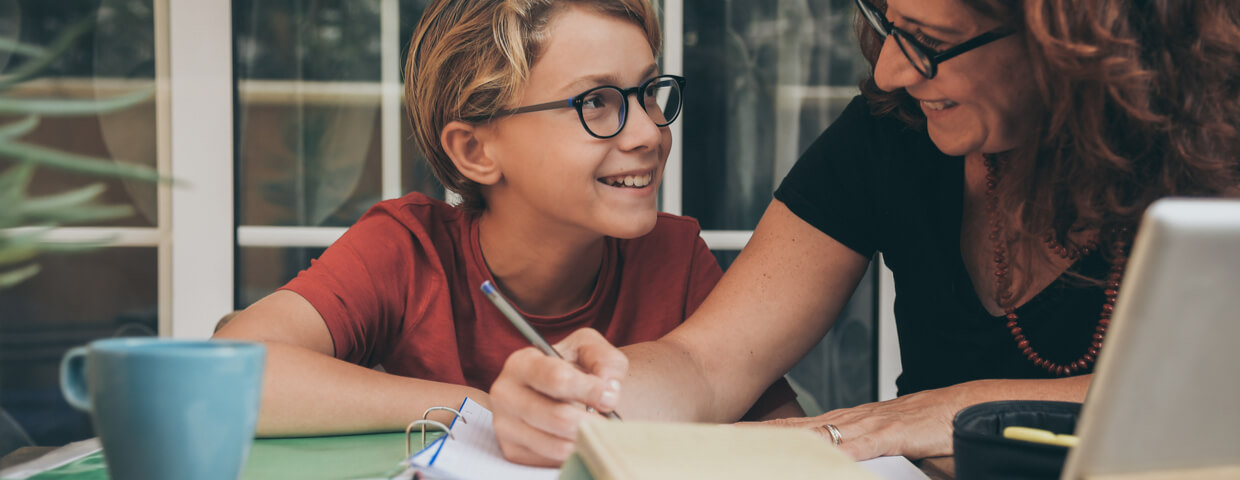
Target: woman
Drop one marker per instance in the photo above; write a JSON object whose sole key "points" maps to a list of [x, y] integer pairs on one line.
{"points": [[1000, 159]]}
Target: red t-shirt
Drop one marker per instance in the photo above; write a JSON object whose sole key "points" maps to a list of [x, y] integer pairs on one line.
{"points": [[400, 289]]}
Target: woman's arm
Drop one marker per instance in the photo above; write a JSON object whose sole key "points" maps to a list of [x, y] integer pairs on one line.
{"points": [[919, 425], [775, 303], [307, 391]]}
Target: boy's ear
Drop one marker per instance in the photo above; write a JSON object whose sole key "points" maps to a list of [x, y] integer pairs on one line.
{"points": [[465, 145]]}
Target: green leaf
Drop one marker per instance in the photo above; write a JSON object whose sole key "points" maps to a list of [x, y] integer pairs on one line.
{"points": [[77, 163], [72, 198], [20, 246], [14, 254], [19, 48], [55, 50], [18, 128], [10, 278], [79, 214], [60, 107], [13, 183]]}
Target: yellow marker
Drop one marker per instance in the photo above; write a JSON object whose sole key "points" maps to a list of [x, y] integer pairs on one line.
{"points": [[1037, 435]]}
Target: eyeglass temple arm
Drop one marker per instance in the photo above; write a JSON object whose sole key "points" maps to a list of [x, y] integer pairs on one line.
{"points": [[971, 44], [538, 108]]}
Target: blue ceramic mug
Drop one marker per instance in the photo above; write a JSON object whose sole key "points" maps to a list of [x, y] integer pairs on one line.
{"points": [[168, 408]]}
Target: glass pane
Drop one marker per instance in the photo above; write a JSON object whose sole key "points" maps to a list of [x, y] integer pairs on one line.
{"points": [[92, 98], [309, 131], [73, 300], [261, 270], [766, 77], [417, 176], [308, 110]]}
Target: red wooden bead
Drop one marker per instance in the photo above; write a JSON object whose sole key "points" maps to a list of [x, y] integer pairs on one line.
{"points": [[1016, 331], [1098, 337], [1110, 292], [1011, 324], [1022, 344], [1108, 308], [1027, 351], [1093, 351], [1104, 321], [1088, 358]]}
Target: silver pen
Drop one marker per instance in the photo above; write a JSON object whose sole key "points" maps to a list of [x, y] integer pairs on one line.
{"points": [[524, 327]]}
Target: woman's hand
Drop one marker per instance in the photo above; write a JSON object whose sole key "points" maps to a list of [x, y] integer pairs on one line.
{"points": [[917, 425], [539, 401]]}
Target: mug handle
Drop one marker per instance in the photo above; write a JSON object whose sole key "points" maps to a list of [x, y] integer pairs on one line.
{"points": [[73, 378]]}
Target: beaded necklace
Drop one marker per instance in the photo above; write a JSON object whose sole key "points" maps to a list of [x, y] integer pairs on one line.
{"points": [[1003, 283]]}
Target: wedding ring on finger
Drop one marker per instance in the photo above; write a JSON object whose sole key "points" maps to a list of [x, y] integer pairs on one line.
{"points": [[836, 438]]}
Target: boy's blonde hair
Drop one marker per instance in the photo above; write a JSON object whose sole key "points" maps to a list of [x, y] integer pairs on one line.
{"points": [[471, 58]]}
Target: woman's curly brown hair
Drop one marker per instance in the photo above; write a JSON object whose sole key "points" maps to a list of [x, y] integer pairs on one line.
{"points": [[1142, 101]]}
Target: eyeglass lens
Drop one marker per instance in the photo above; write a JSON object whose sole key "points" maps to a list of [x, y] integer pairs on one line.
{"points": [[603, 110], [877, 20], [914, 55]]}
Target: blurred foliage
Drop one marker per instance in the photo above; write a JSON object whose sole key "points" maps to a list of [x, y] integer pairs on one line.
{"points": [[26, 220]]}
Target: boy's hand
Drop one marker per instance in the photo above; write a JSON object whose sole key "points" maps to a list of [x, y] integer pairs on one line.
{"points": [[539, 401]]}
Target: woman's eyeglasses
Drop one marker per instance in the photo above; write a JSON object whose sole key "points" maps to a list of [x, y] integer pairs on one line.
{"points": [[925, 59], [603, 110]]}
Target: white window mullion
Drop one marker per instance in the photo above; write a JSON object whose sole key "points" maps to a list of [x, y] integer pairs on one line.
{"points": [[264, 236], [726, 239], [112, 236], [201, 119], [389, 57], [163, 163], [889, 366], [674, 63]]}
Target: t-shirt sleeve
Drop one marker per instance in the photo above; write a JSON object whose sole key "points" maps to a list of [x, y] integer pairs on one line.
{"points": [[831, 186], [704, 273], [357, 286]]}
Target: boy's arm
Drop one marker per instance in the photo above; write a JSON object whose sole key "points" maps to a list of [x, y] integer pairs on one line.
{"points": [[307, 391]]}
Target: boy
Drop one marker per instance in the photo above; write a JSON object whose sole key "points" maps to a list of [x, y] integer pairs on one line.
{"points": [[523, 108]]}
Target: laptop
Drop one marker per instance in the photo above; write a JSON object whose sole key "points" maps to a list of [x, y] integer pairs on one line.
{"points": [[1166, 393]]}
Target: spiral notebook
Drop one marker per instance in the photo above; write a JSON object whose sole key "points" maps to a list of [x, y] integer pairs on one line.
{"points": [[471, 452]]}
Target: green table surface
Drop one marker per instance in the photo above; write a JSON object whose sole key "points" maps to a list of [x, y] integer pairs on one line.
{"points": [[374, 456]]}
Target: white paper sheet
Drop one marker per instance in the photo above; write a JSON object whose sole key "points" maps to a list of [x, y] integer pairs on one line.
{"points": [[51, 460], [893, 468], [473, 453]]}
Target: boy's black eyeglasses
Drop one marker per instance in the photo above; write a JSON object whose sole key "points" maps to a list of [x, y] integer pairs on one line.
{"points": [[603, 110], [925, 59]]}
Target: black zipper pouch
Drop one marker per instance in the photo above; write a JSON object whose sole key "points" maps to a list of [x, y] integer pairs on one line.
{"points": [[981, 451]]}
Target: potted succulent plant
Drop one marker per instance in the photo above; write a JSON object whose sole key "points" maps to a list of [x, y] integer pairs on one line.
{"points": [[25, 219]]}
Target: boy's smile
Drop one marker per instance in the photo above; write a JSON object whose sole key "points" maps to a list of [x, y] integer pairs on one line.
{"points": [[629, 180], [557, 177]]}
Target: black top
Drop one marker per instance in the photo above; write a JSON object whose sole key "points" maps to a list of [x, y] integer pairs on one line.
{"points": [[875, 184]]}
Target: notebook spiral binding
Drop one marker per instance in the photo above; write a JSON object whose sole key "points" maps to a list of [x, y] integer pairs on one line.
{"points": [[424, 422]]}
